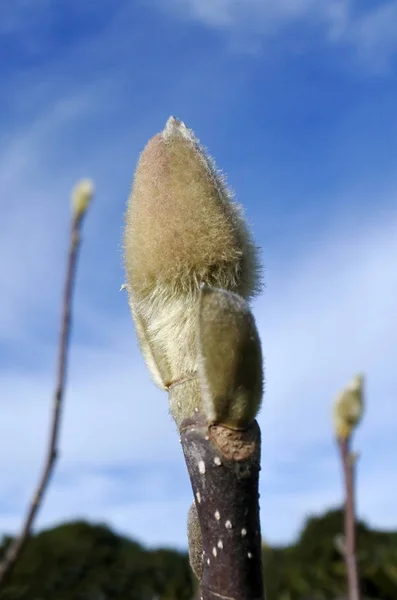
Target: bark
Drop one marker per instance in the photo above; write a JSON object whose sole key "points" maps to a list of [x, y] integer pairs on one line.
{"points": [[224, 467], [348, 463]]}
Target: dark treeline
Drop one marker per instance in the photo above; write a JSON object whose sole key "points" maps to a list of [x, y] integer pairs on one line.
{"points": [[80, 561], [313, 568]]}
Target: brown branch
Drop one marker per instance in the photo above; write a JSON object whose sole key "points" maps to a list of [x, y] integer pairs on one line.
{"points": [[348, 463], [17, 545], [224, 466]]}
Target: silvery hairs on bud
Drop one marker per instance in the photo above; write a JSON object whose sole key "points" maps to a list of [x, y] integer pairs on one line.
{"points": [[230, 359], [183, 229]]}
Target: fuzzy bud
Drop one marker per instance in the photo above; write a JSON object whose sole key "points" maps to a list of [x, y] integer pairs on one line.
{"points": [[348, 408], [182, 229], [230, 359], [81, 197]]}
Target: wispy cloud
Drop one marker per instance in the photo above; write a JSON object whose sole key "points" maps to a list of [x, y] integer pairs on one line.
{"points": [[227, 13], [371, 32], [327, 316], [374, 35], [366, 35]]}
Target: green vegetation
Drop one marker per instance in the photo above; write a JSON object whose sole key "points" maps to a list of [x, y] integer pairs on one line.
{"points": [[79, 561], [314, 568]]}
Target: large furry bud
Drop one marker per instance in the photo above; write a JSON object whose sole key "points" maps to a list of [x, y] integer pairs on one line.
{"points": [[182, 229]]}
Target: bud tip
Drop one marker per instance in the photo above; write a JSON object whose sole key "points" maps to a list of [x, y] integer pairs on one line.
{"points": [[81, 196], [175, 127]]}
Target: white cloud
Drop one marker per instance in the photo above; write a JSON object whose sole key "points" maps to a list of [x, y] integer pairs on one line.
{"points": [[255, 14], [152, 518], [328, 317], [371, 32]]}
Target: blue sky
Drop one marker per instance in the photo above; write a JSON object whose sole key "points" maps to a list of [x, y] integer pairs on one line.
{"points": [[296, 100]]}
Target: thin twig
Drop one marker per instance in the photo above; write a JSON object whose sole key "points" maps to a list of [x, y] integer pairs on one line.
{"points": [[348, 463], [18, 544]]}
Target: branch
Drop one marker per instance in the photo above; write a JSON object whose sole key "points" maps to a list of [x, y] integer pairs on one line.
{"points": [[347, 413], [224, 466], [82, 196], [348, 462]]}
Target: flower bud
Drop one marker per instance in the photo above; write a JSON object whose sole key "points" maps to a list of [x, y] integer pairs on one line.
{"points": [[182, 229], [230, 359], [81, 197], [348, 408]]}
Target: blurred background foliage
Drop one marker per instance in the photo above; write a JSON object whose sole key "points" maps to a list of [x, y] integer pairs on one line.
{"points": [[81, 561]]}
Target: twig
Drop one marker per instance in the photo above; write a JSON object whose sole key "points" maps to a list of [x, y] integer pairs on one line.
{"points": [[18, 544], [224, 471], [348, 462]]}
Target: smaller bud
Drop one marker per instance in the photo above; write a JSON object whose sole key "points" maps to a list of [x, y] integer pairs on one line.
{"points": [[195, 542], [348, 408], [81, 197], [230, 359]]}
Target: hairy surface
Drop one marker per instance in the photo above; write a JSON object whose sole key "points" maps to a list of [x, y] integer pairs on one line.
{"points": [[185, 400], [182, 229], [230, 359]]}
